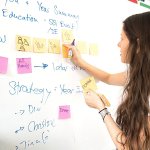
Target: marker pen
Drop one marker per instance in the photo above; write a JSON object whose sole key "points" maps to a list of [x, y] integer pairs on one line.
{"points": [[70, 51]]}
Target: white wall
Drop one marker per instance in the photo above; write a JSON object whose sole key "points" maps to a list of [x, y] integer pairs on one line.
{"points": [[20, 105]]}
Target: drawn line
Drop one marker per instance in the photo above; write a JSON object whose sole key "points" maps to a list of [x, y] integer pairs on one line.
{"points": [[144, 5]]}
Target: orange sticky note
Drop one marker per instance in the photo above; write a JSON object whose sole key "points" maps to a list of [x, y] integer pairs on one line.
{"points": [[66, 52]]}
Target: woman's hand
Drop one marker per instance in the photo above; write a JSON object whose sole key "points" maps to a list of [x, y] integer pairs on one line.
{"points": [[76, 56], [94, 100]]}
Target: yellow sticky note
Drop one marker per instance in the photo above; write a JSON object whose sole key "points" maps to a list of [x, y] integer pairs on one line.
{"points": [[83, 47], [105, 100], [39, 45], [67, 36], [88, 84], [23, 43], [54, 46], [94, 50]]}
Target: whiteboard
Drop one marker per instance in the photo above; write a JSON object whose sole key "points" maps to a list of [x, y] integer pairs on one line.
{"points": [[45, 109]]}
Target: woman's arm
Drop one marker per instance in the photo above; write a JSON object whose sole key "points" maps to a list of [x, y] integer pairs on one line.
{"points": [[112, 79], [94, 100], [116, 134]]}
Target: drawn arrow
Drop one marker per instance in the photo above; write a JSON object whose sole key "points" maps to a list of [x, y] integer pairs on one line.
{"points": [[43, 66]]}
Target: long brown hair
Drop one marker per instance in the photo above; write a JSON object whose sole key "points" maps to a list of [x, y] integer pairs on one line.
{"points": [[132, 114]]}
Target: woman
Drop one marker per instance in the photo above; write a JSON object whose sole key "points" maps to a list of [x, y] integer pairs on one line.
{"points": [[131, 131]]}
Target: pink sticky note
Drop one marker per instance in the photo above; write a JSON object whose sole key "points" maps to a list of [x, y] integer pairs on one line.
{"points": [[64, 112], [24, 65], [3, 65]]}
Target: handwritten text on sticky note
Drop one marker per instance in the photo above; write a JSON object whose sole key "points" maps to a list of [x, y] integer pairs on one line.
{"points": [[23, 43], [54, 46], [24, 65], [67, 36], [39, 45], [64, 112], [88, 84]]}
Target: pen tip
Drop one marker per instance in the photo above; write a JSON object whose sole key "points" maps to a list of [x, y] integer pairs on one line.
{"points": [[73, 42]]}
